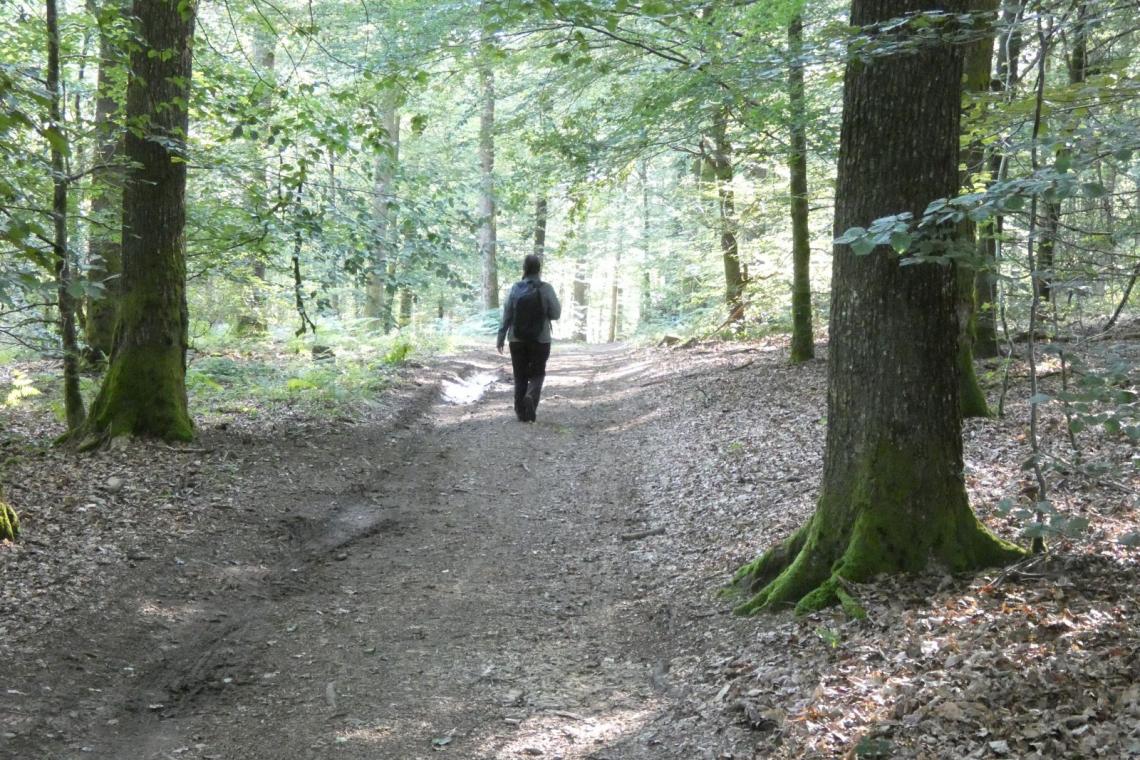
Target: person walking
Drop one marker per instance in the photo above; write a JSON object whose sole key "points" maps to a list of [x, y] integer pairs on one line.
{"points": [[530, 307]]}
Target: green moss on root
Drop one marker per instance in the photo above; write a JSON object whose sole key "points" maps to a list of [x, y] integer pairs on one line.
{"points": [[9, 523], [972, 400], [857, 535], [143, 394]]}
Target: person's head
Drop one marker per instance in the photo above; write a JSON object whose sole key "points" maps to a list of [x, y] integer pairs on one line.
{"points": [[532, 264]]}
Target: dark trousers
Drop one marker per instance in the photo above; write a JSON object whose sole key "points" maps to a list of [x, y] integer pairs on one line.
{"points": [[528, 361]]}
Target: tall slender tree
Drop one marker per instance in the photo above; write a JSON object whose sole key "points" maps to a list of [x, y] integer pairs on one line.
{"points": [[487, 206], [252, 322], [716, 152], [893, 496], [803, 341], [144, 390], [383, 192], [977, 66], [72, 398]]}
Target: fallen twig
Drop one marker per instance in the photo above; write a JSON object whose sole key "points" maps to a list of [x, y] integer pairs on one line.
{"points": [[565, 714], [182, 450]]}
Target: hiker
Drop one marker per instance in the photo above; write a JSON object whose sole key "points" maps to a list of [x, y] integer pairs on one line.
{"points": [[530, 306]]}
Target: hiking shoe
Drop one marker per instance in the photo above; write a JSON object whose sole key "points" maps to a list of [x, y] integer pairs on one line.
{"points": [[528, 409]]}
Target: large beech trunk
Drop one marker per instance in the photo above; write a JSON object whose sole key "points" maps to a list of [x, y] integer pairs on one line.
{"points": [[892, 498], [144, 390]]}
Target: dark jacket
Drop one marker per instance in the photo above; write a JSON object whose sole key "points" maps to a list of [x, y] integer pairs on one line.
{"points": [[549, 300]]}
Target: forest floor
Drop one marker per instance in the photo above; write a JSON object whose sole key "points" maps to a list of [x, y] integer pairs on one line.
{"points": [[430, 578]]}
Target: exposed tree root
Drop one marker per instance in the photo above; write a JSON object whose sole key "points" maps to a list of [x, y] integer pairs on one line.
{"points": [[894, 517]]}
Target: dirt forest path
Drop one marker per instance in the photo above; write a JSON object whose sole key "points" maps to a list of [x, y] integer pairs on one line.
{"points": [[454, 582], [429, 578]]}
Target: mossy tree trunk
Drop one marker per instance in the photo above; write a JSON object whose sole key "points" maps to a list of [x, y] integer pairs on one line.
{"points": [[104, 250], [893, 497], [144, 390], [803, 343]]}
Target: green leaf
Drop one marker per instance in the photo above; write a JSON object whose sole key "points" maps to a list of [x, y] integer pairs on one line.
{"points": [[862, 246], [1075, 526], [901, 241], [1094, 190]]}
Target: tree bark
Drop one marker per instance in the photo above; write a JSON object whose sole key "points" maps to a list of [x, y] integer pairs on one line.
{"points": [[803, 341], [104, 250], [540, 213], [615, 288], [581, 294], [253, 322], [407, 299], [978, 64], [718, 160], [646, 281], [72, 398], [985, 281], [144, 390], [893, 496], [487, 235], [383, 190]]}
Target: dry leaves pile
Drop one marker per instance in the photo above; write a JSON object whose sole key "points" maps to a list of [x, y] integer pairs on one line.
{"points": [[1036, 661]]}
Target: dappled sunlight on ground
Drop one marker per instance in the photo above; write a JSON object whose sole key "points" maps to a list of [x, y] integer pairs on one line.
{"points": [[178, 613], [467, 390], [566, 735]]}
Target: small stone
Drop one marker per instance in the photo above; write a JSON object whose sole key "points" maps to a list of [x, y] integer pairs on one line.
{"points": [[512, 697], [113, 485]]}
